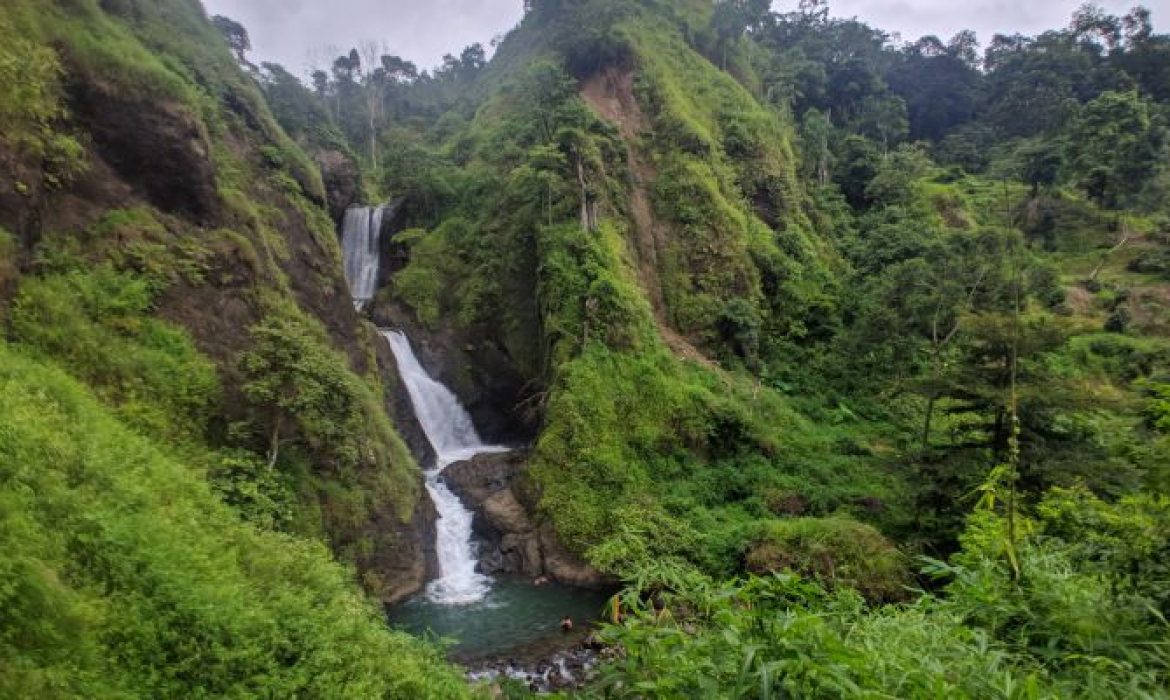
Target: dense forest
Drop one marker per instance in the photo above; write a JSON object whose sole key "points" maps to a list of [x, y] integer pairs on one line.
{"points": [[844, 359]]}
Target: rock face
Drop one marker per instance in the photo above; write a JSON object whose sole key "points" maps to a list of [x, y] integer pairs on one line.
{"points": [[513, 541], [393, 254], [405, 558], [342, 178], [160, 149]]}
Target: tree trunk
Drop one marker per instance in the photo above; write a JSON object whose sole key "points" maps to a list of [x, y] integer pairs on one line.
{"points": [[373, 149], [1105, 258], [999, 438], [926, 423], [274, 445], [586, 219]]}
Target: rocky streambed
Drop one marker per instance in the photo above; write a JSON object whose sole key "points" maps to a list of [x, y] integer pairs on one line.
{"points": [[545, 666]]}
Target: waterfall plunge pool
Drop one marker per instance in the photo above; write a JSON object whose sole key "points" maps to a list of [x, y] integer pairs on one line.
{"points": [[486, 619], [515, 618]]}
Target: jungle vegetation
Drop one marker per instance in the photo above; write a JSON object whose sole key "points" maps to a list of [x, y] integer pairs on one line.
{"points": [[851, 355]]}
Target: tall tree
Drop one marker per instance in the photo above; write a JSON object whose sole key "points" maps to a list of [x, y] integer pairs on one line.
{"points": [[236, 36], [1114, 146]]}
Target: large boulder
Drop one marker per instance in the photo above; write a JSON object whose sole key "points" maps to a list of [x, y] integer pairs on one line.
{"points": [[836, 551], [566, 568], [483, 475], [513, 540]]}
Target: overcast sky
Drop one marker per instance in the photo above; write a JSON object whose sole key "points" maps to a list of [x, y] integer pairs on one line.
{"points": [[301, 33]]}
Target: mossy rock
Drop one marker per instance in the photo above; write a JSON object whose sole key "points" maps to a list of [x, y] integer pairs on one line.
{"points": [[836, 552]]}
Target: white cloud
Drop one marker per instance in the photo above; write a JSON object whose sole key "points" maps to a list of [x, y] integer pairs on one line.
{"points": [[298, 33], [916, 18]]}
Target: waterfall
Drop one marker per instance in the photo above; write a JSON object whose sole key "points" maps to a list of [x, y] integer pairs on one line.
{"points": [[450, 431], [360, 241]]}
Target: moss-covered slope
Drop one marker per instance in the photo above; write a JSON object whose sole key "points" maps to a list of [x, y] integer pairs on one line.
{"points": [[143, 177]]}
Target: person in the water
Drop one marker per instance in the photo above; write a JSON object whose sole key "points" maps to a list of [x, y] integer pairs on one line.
{"points": [[567, 624]]}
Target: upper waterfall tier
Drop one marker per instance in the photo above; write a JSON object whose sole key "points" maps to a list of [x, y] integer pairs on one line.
{"points": [[360, 244]]}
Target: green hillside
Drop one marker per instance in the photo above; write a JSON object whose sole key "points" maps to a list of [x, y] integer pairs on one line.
{"points": [[847, 360], [125, 576]]}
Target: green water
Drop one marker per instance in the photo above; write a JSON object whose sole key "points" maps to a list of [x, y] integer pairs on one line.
{"points": [[514, 615]]}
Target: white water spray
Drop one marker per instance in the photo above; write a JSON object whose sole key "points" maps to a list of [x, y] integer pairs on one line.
{"points": [[451, 432], [360, 241]]}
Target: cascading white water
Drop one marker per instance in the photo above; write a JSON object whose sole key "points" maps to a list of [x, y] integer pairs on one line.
{"points": [[360, 242], [451, 432]]}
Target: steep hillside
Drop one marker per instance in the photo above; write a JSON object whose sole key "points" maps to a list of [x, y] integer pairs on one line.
{"points": [[125, 575], [144, 176], [166, 245], [630, 230]]}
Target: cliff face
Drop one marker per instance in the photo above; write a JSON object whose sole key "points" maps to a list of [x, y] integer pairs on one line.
{"points": [[143, 148]]}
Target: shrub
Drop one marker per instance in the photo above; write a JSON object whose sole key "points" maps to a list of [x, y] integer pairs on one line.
{"points": [[304, 398], [30, 105], [837, 552]]}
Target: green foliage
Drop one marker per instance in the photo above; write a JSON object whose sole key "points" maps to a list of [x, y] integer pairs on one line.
{"points": [[134, 241], [1090, 628], [304, 397], [123, 576], [30, 105], [96, 324], [1069, 628], [779, 636], [421, 284], [1113, 147], [1157, 409], [728, 184], [260, 493], [894, 180], [104, 51], [585, 294], [30, 76], [1126, 542], [835, 552], [645, 456]]}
